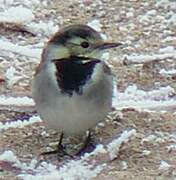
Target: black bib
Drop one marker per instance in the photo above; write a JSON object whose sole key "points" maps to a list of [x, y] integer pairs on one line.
{"points": [[72, 74]]}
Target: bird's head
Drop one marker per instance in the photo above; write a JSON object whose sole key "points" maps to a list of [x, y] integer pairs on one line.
{"points": [[77, 40]]}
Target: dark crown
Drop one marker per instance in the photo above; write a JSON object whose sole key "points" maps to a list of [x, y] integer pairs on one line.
{"points": [[69, 32]]}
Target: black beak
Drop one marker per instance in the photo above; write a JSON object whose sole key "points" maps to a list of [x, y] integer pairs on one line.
{"points": [[108, 45]]}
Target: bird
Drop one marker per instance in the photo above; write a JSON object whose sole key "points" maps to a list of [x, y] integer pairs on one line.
{"points": [[72, 86]]}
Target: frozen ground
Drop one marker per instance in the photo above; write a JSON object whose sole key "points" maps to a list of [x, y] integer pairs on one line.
{"points": [[138, 138]]}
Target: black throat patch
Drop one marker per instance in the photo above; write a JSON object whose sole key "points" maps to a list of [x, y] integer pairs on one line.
{"points": [[72, 74]]}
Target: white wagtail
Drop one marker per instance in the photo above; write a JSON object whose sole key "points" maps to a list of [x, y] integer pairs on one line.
{"points": [[72, 87]]}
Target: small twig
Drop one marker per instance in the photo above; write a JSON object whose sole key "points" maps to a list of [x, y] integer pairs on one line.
{"points": [[16, 27], [142, 59]]}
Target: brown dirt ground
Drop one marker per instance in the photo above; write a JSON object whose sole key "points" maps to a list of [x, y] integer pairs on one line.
{"points": [[28, 142]]}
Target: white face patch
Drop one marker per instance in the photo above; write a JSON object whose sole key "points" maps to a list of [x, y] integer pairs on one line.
{"points": [[55, 51]]}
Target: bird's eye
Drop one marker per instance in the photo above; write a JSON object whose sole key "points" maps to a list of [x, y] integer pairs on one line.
{"points": [[85, 44]]}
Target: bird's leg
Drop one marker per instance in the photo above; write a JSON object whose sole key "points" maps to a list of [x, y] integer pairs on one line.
{"points": [[88, 139], [86, 144], [60, 147]]}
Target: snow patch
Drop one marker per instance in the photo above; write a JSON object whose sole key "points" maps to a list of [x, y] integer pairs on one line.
{"points": [[142, 58], [168, 49], [172, 20], [5, 4], [124, 165], [149, 138], [11, 76], [18, 14], [9, 156], [145, 104], [171, 147], [146, 152], [132, 92], [74, 169], [159, 137], [166, 4], [114, 146], [42, 28], [16, 101], [6, 45], [167, 72], [164, 165], [95, 24], [84, 168], [19, 123], [134, 97]]}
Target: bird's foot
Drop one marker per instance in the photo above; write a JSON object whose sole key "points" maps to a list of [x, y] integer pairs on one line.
{"points": [[59, 151], [87, 147]]}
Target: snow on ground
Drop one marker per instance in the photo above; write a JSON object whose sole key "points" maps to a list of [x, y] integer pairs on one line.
{"points": [[19, 123], [16, 101], [136, 58], [132, 97], [22, 16], [28, 51], [11, 77], [164, 165], [73, 169], [42, 28], [160, 18], [132, 94], [114, 146], [95, 24], [167, 72], [147, 105], [160, 137], [5, 4], [17, 14]]}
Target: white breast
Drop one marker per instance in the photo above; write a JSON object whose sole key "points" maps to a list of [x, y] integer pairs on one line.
{"points": [[77, 113]]}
